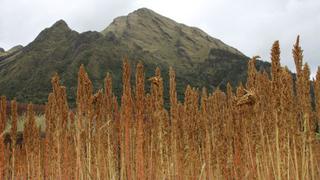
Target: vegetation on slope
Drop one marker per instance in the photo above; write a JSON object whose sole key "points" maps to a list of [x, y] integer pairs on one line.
{"points": [[143, 35]]}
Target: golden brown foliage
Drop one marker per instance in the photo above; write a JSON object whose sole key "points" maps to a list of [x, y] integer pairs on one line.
{"points": [[263, 130]]}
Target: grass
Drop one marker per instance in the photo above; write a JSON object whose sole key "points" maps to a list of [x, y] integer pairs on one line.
{"points": [[261, 130], [39, 119]]}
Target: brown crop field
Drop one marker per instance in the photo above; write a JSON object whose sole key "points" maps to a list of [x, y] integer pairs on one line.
{"points": [[265, 129]]}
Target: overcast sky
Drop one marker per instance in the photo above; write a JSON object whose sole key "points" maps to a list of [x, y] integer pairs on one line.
{"points": [[251, 26]]}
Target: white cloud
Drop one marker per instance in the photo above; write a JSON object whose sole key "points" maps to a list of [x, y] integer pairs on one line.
{"points": [[22, 20]]}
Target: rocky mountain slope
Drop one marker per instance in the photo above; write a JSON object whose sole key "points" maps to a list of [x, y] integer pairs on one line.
{"points": [[6, 54], [143, 35]]}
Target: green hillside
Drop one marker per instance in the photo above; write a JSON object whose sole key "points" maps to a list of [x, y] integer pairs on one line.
{"points": [[143, 35]]}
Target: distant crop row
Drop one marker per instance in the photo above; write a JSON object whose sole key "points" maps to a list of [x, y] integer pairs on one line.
{"points": [[265, 129]]}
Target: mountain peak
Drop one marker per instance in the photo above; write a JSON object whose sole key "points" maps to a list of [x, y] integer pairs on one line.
{"points": [[142, 27], [144, 11], [58, 30], [199, 59], [10, 52], [121, 23], [60, 24], [15, 48], [148, 14]]}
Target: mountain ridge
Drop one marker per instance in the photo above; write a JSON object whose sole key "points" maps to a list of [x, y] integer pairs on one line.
{"points": [[146, 20], [143, 35]]}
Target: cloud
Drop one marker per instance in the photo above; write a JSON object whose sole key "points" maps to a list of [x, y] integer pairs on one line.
{"points": [[22, 20], [248, 25]]}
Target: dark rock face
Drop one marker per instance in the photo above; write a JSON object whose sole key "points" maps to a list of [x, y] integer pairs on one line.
{"points": [[143, 35]]}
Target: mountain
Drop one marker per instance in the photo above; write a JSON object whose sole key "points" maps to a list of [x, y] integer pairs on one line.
{"points": [[143, 35], [174, 41], [6, 54]]}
